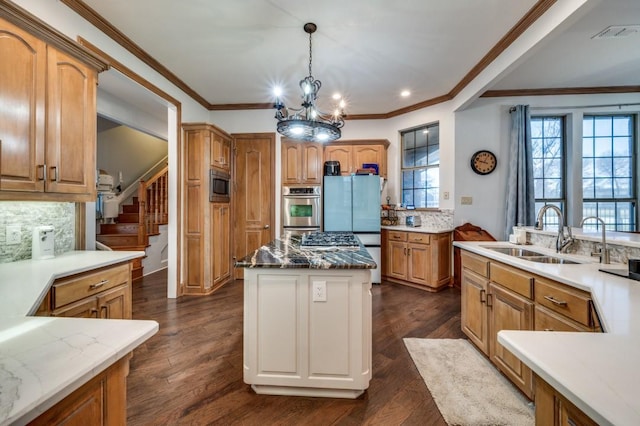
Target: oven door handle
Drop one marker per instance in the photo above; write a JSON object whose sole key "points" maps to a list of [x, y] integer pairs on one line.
{"points": [[301, 197]]}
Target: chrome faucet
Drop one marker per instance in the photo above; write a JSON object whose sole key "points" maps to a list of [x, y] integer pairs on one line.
{"points": [[604, 251], [563, 240]]}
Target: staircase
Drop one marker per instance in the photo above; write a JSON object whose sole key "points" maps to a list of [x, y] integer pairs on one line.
{"points": [[138, 220]]}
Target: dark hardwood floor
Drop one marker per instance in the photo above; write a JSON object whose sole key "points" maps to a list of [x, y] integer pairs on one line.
{"points": [[190, 372]]}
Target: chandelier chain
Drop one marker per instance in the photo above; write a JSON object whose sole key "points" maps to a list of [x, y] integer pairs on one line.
{"points": [[310, 54]]}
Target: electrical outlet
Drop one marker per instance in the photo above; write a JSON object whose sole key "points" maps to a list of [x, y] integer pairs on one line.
{"points": [[13, 234], [319, 289], [445, 195], [466, 200]]}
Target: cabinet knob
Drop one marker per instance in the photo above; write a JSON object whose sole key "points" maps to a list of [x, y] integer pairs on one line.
{"points": [[266, 227]]}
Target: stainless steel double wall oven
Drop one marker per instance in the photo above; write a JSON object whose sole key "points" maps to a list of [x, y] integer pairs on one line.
{"points": [[301, 209]]}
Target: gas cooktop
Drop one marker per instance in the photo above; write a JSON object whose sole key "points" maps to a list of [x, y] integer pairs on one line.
{"points": [[330, 239]]}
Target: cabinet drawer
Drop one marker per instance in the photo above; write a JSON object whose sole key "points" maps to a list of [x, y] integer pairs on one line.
{"points": [[418, 238], [475, 263], [570, 302], [512, 279], [547, 320], [71, 289], [397, 236]]}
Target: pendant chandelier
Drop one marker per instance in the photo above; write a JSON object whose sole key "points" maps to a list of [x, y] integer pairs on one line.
{"points": [[308, 123]]}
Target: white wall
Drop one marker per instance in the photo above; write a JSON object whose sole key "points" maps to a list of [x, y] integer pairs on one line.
{"points": [[485, 125]]}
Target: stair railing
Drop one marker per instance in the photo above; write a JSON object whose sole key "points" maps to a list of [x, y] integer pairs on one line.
{"points": [[153, 199]]}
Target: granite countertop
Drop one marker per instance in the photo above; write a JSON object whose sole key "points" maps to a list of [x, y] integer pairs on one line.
{"points": [[44, 359], [596, 371], [422, 229], [286, 252]]}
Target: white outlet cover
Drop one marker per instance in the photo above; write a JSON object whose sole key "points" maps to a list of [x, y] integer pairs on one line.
{"points": [[13, 234]]}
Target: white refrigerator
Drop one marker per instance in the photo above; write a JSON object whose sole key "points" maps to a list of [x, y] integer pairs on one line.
{"points": [[352, 204]]}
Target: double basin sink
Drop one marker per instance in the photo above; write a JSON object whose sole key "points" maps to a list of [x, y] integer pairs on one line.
{"points": [[532, 256]]}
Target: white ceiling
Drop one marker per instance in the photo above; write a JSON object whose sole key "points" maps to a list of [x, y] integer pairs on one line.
{"points": [[369, 50]]}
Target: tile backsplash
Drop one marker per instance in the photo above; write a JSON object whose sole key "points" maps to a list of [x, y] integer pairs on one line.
{"points": [[433, 219], [27, 215]]}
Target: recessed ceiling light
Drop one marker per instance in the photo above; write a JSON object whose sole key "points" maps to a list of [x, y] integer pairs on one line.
{"points": [[405, 93], [337, 96]]}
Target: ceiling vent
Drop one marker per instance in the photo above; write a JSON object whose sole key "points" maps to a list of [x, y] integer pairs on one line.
{"points": [[618, 31]]}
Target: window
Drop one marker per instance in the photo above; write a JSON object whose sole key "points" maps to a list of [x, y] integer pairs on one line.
{"points": [[608, 188], [420, 166], [547, 143]]}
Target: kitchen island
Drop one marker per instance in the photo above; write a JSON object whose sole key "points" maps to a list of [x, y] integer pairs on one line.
{"points": [[307, 319], [62, 367]]}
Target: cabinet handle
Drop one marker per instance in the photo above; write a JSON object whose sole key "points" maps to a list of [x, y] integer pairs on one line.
{"points": [[549, 329], [483, 292], [408, 252], [54, 169], [556, 301], [405, 251], [103, 312], [42, 172], [94, 312], [98, 284], [489, 298]]}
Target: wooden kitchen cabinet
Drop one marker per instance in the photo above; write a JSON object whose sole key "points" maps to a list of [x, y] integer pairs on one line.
{"points": [[553, 409], [100, 401], [100, 293], [495, 297], [302, 162], [221, 222], [220, 149], [417, 259], [352, 154], [48, 136], [207, 229]]}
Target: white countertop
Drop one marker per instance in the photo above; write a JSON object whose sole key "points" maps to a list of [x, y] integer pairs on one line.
{"points": [[597, 372], [44, 359], [422, 229]]}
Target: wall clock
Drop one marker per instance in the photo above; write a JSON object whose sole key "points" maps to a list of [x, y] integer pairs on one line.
{"points": [[483, 162]]}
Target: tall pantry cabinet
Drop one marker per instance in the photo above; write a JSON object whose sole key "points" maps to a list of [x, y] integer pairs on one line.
{"points": [[207, 226], [48, 124]]}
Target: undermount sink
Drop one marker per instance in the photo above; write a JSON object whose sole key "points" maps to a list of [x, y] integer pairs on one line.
{"points": [[532, 256]]}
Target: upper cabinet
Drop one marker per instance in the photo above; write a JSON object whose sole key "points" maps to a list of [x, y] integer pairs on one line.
{"points": [[352, 154], [220, 150], [48, 124], [301, 162]]}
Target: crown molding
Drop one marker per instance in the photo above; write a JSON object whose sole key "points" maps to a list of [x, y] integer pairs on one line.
{"points": [[561, 91]]}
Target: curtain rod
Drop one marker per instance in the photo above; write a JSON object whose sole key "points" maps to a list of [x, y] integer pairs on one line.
{"points": [[583, 106]]}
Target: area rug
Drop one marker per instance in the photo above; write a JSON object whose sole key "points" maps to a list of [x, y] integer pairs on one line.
{"points": [[467, 389]]}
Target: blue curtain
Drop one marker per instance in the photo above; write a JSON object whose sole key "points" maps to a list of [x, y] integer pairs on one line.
{"points": [[520, 192]]}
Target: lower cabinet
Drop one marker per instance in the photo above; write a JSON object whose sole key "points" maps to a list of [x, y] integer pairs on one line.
{"points": [[552, 409], [101, 401], [307, 332], [100, 293], [417, 259], [221, 223], [495, 297]]}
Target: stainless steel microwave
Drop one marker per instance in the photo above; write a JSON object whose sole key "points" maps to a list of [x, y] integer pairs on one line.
{"points": [[219, 186]]}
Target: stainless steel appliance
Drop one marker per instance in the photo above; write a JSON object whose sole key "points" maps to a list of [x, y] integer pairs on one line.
{"points": [[219, 186], [301, 209], [332, 168]]}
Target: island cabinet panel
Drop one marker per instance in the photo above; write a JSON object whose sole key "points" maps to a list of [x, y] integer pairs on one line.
{"points": [[48, 133], [417, 259], [553, 409], [296, 343]]}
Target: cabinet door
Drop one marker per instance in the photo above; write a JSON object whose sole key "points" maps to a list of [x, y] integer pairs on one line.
{"points": [[474, 320], [312, 163], [367, 154], [115, 303], [509, 311], [22, 102], [71, 126], [397, 260], [221, 220], [419, 262], [341, 154], [291, 163], [220, 151], [85, 308]]}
